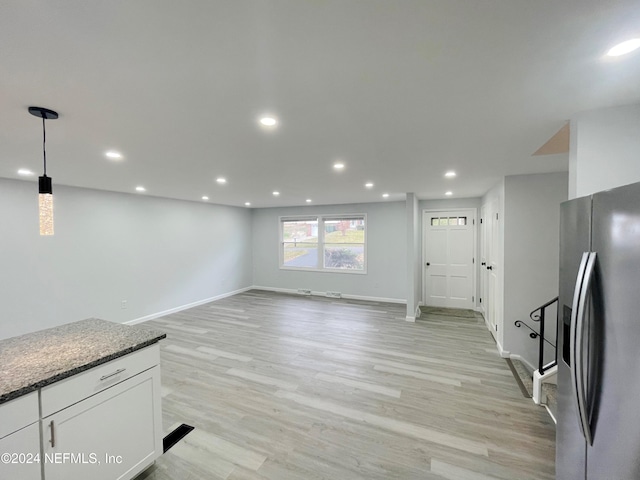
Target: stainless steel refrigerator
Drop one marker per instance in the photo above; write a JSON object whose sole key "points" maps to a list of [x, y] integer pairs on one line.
{"points": [[598, 431]]}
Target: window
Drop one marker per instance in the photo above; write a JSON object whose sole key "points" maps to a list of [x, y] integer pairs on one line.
{"points": [[324, 243], [442, 221]]}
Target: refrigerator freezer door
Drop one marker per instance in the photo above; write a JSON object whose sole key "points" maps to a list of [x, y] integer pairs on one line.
{"points": [[614, 380], [575, 231]]}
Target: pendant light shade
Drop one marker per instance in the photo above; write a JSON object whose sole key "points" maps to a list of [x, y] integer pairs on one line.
{"points": [[45, 205], [45, 185]]}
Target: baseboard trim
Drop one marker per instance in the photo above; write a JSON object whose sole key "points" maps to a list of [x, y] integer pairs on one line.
{"points": [[410, 319], [551, 415], [153, 316], [503, 353], [347, 296]]}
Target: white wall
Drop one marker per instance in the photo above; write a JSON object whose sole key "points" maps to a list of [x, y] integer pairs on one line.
{"points": [[157, 254], [605, 150], [531, 256], [386, 275]]}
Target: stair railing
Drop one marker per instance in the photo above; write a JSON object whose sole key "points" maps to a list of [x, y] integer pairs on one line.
{"points": [[538, 315]]}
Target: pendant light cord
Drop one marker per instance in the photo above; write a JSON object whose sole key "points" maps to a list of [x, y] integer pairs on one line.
{"points": [[44, 151]]}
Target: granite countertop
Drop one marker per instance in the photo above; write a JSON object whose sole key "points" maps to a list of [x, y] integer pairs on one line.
{"points": [[34, 360]]}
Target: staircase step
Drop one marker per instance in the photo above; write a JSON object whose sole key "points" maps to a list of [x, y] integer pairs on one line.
{"points": [[524, 380], [522, 376]]}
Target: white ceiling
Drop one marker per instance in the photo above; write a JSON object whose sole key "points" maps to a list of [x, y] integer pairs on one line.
{"points": [[400, 90]]}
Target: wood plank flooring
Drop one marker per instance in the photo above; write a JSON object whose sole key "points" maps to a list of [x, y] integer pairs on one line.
{"points": [[290, 387]]}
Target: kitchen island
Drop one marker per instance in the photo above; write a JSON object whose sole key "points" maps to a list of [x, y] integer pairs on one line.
{"points": [[80, 400]]}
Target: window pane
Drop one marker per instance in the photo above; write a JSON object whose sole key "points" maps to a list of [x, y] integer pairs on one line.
{"points": [[300, 254], [435, 221], [453, 220], [300, 231], [462, 220], [344, 230], [300, 243], [344, 257]]}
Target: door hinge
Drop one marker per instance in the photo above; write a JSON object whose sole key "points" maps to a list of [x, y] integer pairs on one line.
{"points": [[480, 299], [474, 221], [480, 220], [473, 260], [473, 299], [496, 216]]}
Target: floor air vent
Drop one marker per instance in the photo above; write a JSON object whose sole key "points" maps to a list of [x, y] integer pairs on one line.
{"points": [[174, 437]]}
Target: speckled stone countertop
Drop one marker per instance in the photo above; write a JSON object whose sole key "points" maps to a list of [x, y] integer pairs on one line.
{"points": [[34, 360]]}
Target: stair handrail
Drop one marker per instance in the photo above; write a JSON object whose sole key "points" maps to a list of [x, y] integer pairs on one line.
{"points": [[534, 334], [536, 318], [538, 315]]}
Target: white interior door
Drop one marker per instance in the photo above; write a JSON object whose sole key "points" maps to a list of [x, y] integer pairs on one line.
{"points": [[449, 239], [492, 266], [489, 263]]}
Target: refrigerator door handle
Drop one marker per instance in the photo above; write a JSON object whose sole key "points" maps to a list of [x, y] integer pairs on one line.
{"points": [[572, 336], [579, 365]]}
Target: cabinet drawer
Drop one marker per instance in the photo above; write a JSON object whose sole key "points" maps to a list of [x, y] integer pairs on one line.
{"points": [[18, 413], [71, 390]]}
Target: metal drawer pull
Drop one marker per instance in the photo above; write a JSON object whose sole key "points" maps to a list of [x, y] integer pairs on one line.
{"points": [[53, 434], [120, 370]]}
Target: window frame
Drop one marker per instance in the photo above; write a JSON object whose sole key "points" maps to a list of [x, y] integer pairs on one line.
{"points": [[321, 218]]}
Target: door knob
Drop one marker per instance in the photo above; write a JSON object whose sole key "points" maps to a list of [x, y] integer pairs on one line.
{"points": [[484, 263], [489, 267], [428, 264]]}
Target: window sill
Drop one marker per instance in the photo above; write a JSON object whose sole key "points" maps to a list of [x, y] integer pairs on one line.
{"points": [[324, 270]]}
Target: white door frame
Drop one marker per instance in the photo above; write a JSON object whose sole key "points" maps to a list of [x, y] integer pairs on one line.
{"points": [[482, 254], [471, 213]]}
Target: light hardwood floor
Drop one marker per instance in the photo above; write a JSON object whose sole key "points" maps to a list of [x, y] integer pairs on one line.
{"points": [[291, 387]]}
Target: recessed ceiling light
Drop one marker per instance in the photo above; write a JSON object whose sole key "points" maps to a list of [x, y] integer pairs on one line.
{"points": [[385, 195], [205, 197], [221, 180], [448, 194], [140, 188], [247, 204], [450, 174], [308, 200], [25, 172], [624, 47], [268, 121], [368, 185], [338, 165], [276, 193], [113, 155]]}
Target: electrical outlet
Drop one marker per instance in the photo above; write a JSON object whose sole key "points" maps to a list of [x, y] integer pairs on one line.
{"points": [[334, 294], [123, 304], [304, 291]]}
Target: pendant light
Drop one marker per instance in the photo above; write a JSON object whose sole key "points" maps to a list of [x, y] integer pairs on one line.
{"points": [[45, 197]]}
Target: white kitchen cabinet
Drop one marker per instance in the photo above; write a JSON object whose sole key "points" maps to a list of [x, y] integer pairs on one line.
{"points": [[23, 448], [20, 438], [112, 434]]}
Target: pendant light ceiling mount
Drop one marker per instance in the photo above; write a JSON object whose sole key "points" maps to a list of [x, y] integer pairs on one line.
{"points": [[43, 113]]}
